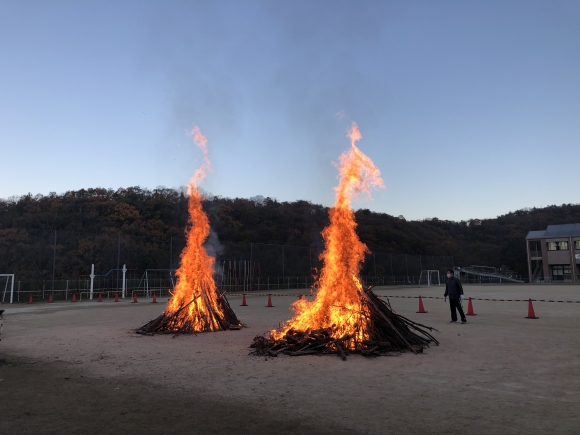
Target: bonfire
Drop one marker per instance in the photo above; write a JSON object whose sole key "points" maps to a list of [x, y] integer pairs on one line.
{"points": [[345, 316], [195, 305]]}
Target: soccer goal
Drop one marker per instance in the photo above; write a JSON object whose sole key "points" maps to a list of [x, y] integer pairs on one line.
{"points": [[429, 278], [8, 277]]}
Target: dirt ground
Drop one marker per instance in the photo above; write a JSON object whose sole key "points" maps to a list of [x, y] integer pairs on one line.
{"points": [[78, 368]]}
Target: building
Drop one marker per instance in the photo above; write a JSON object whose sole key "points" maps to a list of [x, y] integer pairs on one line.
{"points": [[554, 254]]}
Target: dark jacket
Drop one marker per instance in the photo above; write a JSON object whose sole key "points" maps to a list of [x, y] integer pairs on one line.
{"points": [[453, 288]]}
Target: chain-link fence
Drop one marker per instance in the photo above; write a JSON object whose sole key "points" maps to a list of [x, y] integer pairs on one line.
{"points": [[58, 264], [384, 268]]}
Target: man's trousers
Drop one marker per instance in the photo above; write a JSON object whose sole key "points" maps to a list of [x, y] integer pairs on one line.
{"points": [[455, 304]]}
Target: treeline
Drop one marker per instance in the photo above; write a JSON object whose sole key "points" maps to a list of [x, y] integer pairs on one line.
{"points": [[144, 228]]}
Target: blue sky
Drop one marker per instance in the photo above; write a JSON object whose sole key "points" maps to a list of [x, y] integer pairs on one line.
{"points": [[469, 109]]}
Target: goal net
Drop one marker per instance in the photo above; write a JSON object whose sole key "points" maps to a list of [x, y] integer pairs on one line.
{"points": [[429, 278], [6, 287]]}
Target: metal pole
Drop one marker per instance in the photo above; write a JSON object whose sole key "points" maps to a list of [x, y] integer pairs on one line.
{"points": [[251, 262], [118, 260], [92, 279], [124, 286], [53, 261], [572, 268], [146, 283]]}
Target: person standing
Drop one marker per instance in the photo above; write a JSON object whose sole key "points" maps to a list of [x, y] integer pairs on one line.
{"points": [[454, 290]]}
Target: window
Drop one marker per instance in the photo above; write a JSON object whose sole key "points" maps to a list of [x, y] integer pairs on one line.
{"points": [[577, 244], [561, 272], [535, 249], [557, 246]]}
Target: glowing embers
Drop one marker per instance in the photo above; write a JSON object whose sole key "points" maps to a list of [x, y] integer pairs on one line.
{"points": [[196, 305], [344, 317]]}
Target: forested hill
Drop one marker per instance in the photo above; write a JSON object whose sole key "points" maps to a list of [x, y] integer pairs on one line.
{"points": [[154, 216]]}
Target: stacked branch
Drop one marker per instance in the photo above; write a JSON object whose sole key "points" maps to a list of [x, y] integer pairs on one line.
{"points": [[181, 322], [387, 332]]}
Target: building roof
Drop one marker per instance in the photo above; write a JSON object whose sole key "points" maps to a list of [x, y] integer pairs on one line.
{"points": [[555, 231]]}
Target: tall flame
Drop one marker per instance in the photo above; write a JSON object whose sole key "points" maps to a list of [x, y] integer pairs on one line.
{"points": [[195, 291], [337, 304]]}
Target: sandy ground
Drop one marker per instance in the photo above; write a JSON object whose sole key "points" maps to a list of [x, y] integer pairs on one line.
{"points": [[78, 368]]}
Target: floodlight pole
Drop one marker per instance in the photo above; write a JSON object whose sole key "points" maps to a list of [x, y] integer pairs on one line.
{"points": [[92, 279], [12, 290]]}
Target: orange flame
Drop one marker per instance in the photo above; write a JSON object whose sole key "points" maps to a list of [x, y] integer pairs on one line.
{"points": [[195, 288], [337, 304]]}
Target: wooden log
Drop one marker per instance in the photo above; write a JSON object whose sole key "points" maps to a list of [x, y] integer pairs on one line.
{"points": [[341, 351], [306, 352], [369, 351]]}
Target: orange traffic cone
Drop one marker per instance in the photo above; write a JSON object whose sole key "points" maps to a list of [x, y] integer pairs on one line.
{"points": [[100, 298], [30, 299], [470, 309], [244, 301], [50, 298], [134, 298], [116, 297], [154, 301], [269, 301], [421, 307], [74, 298], [531, 313]]}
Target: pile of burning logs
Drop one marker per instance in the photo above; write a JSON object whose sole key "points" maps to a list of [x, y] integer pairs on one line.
{"points": [[180, 322], [387, 332]]}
